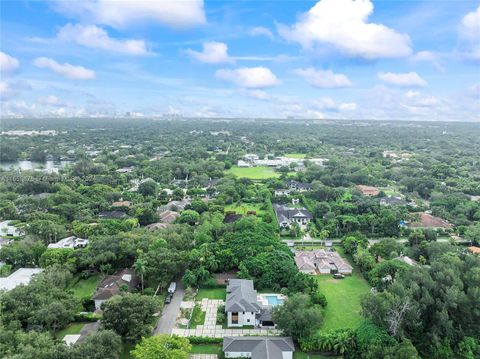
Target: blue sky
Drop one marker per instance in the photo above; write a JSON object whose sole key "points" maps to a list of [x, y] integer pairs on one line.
{"points": [[352, 59]]}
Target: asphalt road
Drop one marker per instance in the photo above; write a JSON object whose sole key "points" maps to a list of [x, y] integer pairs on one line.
{"points": [[170, 312]]}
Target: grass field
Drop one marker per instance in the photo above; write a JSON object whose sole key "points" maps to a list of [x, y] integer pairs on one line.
{"points": [[84, 288], [212, 293], [198, 317], [295, 155], [343, 297], [302, 355], [205, 348], [260, 172], [73, 328], [243, 208]]}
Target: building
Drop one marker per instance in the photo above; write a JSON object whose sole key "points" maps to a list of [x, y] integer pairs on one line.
{"points": [[21, 276], [125, 170], [282, 192], [407, 260], [258, 347], [242, 305], [9, 230], [169, 216], [126, 204], [111, 285], [299, 186], [286, 216], [369, 191], [426, 220], [176, 205], [321, 262], [157, 226], [474, 250], [392, 201], [70, 242]]}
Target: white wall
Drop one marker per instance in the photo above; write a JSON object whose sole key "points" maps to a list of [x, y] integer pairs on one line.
{"points": [[238, 355], [242, 319], [98, 303]]}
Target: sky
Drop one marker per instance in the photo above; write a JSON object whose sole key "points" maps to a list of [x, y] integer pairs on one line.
{"points": [[330, 59]]}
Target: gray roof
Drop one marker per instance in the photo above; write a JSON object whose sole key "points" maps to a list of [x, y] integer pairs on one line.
{"points": [[284, 213], [241, 296], [260, 347]]}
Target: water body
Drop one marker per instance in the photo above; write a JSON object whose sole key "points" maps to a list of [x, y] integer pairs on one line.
{"points": [[33, 165]]}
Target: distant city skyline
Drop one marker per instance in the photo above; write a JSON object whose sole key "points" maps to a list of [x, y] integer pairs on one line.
{"points": [[327, 59]]}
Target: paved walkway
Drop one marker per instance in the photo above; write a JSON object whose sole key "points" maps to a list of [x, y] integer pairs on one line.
{"points": [[170, 312], [203, 356], [211, 329]]}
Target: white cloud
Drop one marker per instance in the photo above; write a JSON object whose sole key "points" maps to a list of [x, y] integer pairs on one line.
{"points": [[8, 63], [256, 94], [50, 100], [328, 104], [249, 77], [97, 38], [344, 25], [429, 56], [417, 99], [213, 53], [402, 79], [119, 14], [66, 70], [323, 79], [5, 89], [470, 31], [261, 31]]}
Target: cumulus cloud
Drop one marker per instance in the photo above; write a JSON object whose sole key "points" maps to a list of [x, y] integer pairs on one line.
{"points": [[344, 25], [8, 63], [402, 79], [119, 14], [50, 100], [249, 77], [429, 56], [212, 53], [66, 70], [328, 104], [261, 31], [97, 38], [323, 79], [256, 94], [470, 32]]}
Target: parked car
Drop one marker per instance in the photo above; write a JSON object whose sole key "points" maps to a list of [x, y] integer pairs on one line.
{"points": [[168, 298], [338, 276], [172, 287]]}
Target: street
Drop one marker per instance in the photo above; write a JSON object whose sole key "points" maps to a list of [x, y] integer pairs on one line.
{"points": [[170, 312]]}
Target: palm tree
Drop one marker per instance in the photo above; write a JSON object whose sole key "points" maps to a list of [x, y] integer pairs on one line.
{"points": [[140, 267]]}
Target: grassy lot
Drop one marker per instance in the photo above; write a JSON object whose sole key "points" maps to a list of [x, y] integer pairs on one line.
{"points": [[243, 208], [295, 155], [343, 296], [205, 348], [198, 317], [73, 328], [212, 293], [84, 288], [260, 172], [302, 355]]}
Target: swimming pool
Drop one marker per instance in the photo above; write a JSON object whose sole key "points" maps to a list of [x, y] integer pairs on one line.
{"points": [[273, 300]]}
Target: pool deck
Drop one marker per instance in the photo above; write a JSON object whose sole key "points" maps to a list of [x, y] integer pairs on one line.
{"points": [[263, 299]]}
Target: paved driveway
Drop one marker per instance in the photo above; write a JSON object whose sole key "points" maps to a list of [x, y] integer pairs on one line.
{"points": [[170, 312]]}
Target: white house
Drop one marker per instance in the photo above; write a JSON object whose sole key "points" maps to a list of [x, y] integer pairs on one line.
{"points": [[70, 242], [9, 230], [242, 305], [286, 216], [21, 276], [258, 347]]}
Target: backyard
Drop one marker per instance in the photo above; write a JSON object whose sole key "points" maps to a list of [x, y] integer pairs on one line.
{"points": [[243, 208], [343, 297], [212, 293], [84, 288], [73, 328], [258, 173]]}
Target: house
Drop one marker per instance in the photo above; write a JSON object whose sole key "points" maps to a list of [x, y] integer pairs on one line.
{"points": [[126, 204], [70, 242], [321, 261], [71, 339], [369, 191], [125, 170], [286, 216], [474, 250], [21, 276], [282, 192], [407, 260], [169, 216], [176, 205], [295, 201], [157, 226], [112, 284], [392, 201], [258, 347], [243, 164], [426, 220], [112, 215], [241, 306], [299, 186], [9, 230]]}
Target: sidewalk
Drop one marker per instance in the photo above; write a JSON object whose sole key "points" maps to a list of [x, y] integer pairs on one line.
{"points": [[211, 329]]}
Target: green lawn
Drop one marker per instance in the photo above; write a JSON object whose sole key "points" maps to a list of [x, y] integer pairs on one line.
{"points": [[260, 172], [295, 155], [243, 208], [343, 297], [212, 293], [198, 317], [84, 288], [205, 348], [73, 328]]}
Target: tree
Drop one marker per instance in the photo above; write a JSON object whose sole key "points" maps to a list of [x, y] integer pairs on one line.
{"points": [[162, 347], [190, 217], [140, 267], [148, 188], [298, 317], [473, 234], [129, 315], [24, 253], [352, 243], [102, 344], [61, 256]]}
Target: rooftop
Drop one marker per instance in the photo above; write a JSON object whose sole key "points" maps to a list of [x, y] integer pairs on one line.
{"points": [[259, 347], [21, 276], [241, 296]]}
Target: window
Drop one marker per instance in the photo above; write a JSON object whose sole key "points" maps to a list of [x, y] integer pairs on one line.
{"points": [[248, 320], [234, 318]]}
